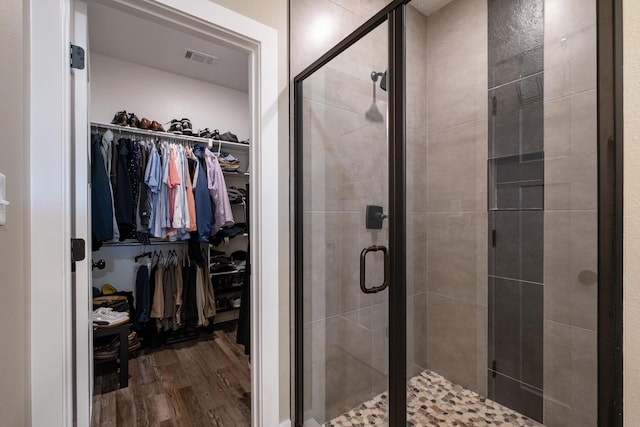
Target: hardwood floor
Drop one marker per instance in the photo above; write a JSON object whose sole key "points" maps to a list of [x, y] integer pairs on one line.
{"points": [[196, 383]]}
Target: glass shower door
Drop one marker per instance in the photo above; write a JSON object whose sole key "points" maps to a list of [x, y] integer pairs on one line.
{"points": [[342, 294]]}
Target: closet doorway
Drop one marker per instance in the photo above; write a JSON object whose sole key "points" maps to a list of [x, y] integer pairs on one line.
{"points": [[149, 88], [188, 335]]}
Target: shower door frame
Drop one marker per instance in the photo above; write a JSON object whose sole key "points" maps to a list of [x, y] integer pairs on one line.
{"points": [[610, 203]]}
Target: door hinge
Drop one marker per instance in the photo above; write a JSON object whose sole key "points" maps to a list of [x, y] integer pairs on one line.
{"points": [[77, 250], [77, 57], [493, 238]]}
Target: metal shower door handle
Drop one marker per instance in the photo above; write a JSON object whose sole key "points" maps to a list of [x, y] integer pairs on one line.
{"points": [[363, 269]]}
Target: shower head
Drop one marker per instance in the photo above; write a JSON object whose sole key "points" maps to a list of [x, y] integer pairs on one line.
{"points": [[373, 114], [383, 80]]}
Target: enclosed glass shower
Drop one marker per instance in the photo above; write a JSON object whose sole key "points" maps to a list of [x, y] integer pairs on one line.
{"points": [[447, 218]]}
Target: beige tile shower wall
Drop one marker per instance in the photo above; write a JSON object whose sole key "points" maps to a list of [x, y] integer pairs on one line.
{"points": [[456, 193], [417, 172], [317, 25], [570, 232]]}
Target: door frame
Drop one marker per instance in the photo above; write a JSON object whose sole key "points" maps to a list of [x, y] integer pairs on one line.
{"points": [[49, 113], [610, 210]]}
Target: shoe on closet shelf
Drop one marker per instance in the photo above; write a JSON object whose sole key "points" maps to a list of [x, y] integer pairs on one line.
{"points": [[205, 133], [236, 302], [133, 341], [176, 127], [156, 126], [107, 289], [187, 128], [105, 317], [108, 351], [133, 121], [145, 123], [120, 118], [235, 196], [229, 137]]}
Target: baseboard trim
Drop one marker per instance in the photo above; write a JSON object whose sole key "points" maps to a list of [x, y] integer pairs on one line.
{"points": [[286, 423]]}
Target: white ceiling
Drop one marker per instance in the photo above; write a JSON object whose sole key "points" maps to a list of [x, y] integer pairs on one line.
{"points": [[429, 7], [130, 38]]}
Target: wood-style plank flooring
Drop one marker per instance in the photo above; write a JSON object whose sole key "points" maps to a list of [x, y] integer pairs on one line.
{"points": [[196, 383]]}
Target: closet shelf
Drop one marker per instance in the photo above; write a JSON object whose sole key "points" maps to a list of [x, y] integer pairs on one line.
{"points": [[153, 242], [225, 309], [228, 290], [235, 173], [167, 135], [226, 273]]}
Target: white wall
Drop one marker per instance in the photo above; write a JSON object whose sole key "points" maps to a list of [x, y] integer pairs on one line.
{"points": [[631, 279], [14, 258], [157, 95]]}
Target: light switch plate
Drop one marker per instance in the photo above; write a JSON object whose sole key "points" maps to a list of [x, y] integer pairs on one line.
{"points": [[3, 201]]}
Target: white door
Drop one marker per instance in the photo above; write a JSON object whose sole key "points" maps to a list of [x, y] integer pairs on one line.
{"points": [[81, 222]]}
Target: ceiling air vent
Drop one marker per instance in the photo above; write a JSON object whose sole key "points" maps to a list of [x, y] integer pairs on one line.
{"points": [[200, 57]]}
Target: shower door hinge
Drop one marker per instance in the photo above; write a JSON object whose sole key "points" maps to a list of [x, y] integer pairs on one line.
{"points": [[77, 57]]}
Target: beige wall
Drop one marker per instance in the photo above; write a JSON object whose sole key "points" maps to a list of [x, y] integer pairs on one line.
{"points": [[274, 13], [454, 193], [631, 306], [14, 355]]}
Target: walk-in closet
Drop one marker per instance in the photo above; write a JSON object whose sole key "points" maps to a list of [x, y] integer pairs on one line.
{"points": [[170, 166]]}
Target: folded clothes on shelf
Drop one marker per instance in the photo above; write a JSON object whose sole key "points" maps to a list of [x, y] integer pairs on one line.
{"points": [[228, 233], [236, 195], [228, 162]]}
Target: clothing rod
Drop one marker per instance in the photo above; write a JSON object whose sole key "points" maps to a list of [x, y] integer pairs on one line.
{"points": [[167, 135], [151, 243]]}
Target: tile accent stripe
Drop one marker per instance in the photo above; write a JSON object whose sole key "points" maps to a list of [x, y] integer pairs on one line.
{"points": [[516, 204]]}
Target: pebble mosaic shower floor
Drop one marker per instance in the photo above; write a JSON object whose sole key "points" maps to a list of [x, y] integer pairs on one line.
{"points": [[434, 401]]}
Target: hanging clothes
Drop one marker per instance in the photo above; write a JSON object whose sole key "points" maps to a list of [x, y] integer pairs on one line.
{"points": [[107, 144], [161, 190], [144, 204], [101, 206], [157, 307], [189, 309], [190, 201], [169, 289], [123, 197], [204, 213], [143, 291], [223, 217], [209, 310], [200, 298], [153, 179], [177, 319]]}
